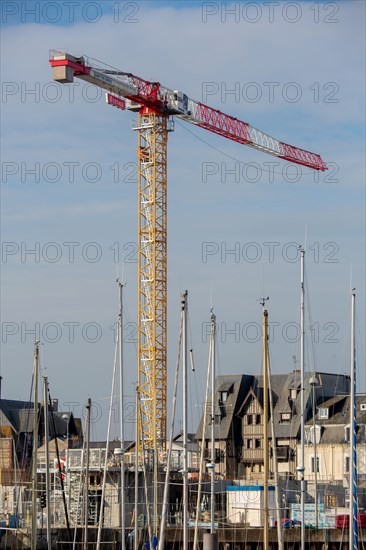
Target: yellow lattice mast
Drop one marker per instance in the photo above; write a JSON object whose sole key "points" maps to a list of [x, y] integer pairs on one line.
{"points": [[152, 277], [156, 105]]}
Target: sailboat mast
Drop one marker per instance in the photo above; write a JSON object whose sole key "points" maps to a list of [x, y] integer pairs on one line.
{"points": [[185, 421], [86, 480], [122, 435], [105, 467], [353, 530], [164, 511], [137, 446], [275, 462], [213, 450], [35, 446], [265, 428], [46, 437], [302, 401], [313, 382]]}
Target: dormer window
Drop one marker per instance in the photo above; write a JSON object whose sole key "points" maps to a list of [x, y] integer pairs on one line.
{"points": [[293, 393], [285, 417], [324, 413], [363, 406], [223, 396], [224, 391]]}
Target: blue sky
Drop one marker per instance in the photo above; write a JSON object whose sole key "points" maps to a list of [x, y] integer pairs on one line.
{"points": [[68, 176], [64, 13]]}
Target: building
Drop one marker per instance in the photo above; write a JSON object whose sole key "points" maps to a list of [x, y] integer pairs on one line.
{"points": [[327, 451], [16, 452], [177, 453], [229, 395], [239, 421]]}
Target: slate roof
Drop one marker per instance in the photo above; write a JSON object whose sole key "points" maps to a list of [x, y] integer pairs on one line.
{"points": [[61, 444], [63, 425], [332, 434], [335, 404], [179, 437], [339, 411], [339, 417], [277, 383], [225, 386], [225, 412], [192, 444], [4, 421], [281, 384], [330, 384], [17, 414]]}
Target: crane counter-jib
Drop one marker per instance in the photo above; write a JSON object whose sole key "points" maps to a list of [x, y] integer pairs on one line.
{"points": [[142, 93]]}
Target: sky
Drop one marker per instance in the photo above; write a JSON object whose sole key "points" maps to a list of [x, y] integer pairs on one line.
{"points": [[236, 217]]}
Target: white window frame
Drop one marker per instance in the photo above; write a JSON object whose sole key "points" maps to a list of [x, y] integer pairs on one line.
{"points": [[347, 433], [312, 464], [223, 396], [324, 413]]}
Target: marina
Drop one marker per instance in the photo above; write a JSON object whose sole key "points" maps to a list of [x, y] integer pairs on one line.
{"points": [[183, 276]]}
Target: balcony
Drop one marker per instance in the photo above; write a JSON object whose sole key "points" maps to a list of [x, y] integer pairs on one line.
{"points": [[284, 454], [252, 455]]}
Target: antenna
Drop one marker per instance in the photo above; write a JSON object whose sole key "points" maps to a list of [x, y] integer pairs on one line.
{"points": [[263, 301]]}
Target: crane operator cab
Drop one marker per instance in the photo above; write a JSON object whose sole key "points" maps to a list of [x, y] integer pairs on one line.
{"points": [[178, 103]]}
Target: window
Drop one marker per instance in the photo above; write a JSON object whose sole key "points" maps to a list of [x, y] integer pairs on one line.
{"points": [[249, 419], [219, 455], [363, 406], [347, 433], [223, 396], [285, 417], [346, 465], [257, 443], [314, 461], [176, 458], [293, 393], [324, 413], [257, 418], [330, 500], [194, 460], [94, 479], [249, 443]]}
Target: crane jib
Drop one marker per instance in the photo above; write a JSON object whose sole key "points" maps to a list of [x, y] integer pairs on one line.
{"points": [[143, 93]]}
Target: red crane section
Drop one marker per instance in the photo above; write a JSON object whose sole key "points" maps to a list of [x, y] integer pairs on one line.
{"points": [[143, 93]]}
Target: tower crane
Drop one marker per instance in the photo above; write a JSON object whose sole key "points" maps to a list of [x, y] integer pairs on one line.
{"points": [[157, 105]]}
